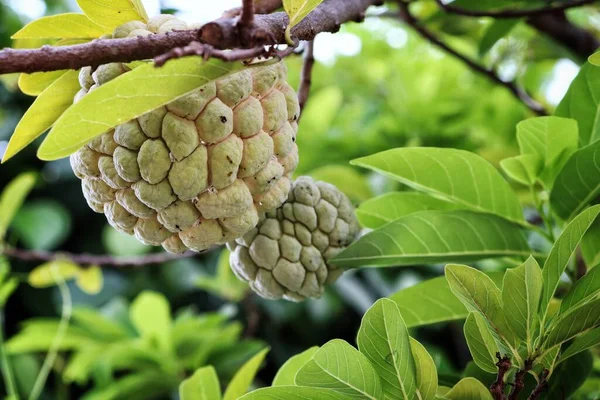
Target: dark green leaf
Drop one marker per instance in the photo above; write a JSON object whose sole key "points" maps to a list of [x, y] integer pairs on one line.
{"points": [[494, 32]]}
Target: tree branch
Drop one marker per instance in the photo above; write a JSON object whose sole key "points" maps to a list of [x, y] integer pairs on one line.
{"points": [[512, 13], [519, 93], [247, 17], [541, 386], [224, 33], [306, 74], [497, 388], [520, 381], [92, 259]]}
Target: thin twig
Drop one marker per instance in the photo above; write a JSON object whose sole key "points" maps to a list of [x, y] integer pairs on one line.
{"points": [[7, 372], [520, 380], [541, 386], [513, 13], [306, 74], [92, 259], [497, 388], [247, 17], [519, 93]]}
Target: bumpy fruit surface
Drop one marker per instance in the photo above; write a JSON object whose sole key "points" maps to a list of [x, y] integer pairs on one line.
{"points": [[199, 171], [285, 255]]}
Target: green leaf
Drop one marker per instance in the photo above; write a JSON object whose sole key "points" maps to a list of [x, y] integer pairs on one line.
{"points": [[430, 237], [494, 32], [523, 169], [481, 342], [383, 339], [581, 343], [342, 368], [202, 385], [589, 245], [561, 253], [480, 294], [347, 179], [581, 103], [552, 139], [34, 84], [243, 378], [38, 335], [595, 59], [135, 386], [44, 112], [114, 13], [432, 301], [585, 289], [127, 97], [297, 10], [225, 284], [389, 207], [425, 371], [455, 175], [7, 288], [42, 224], [293, 393], [578, 183], [90, 280], [98, 325], [12, 198], [469, 389], [521, 293], [569, 376], [573, 323], [150, 313], [43, 275], [61, 26], [287, 373]]}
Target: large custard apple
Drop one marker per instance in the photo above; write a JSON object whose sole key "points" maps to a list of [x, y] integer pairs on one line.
{"points": [[201, 170], [285, 255]]}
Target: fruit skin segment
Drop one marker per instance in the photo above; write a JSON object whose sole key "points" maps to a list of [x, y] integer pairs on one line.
{"points": [[201, 170], [285, 255]]}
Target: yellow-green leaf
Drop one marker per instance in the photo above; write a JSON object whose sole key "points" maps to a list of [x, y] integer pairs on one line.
{"points": [[12, 198], [69, 25], [90, 280], [297, 10], [34, 84], [43, 276], [44, 111], [139, 7], [243, 378], [127, 97], [113, 13]]}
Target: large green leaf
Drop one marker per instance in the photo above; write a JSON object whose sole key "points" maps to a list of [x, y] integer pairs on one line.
{"points": [[582, 103], [150, 313], [342, 368], [432, 302], [12, 198], [245, 376], [481, 342], [389, 207], [34, 84], [383, 339], [551, 139], [456, 175], [578, 183], [521, 294], [114, 13], [425, 371], [576, 321], [286, 375], [44, 112], [127, 97], [61, 26], [468, 389], [202, 385], [430, 237], [293, 393], [585, 289], [581, 343], [561, 252]]}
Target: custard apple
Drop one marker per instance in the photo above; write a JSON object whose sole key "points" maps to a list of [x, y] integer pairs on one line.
{"points": [[285, 255], [199, 171]]}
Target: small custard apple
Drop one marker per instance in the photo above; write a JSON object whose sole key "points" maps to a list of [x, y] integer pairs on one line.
{"points": [[285, 255], [200, 170]]}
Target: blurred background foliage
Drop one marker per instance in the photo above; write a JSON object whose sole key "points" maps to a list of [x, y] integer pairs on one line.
{"points": [[376, 85]]}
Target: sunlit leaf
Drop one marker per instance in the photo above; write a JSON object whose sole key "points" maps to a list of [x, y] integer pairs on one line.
{"points": [[469, 389], [44, 112], [44, 275], [69, 25], [90, 280], [430, 237], [574, 322], [425, 371], [127, 97], [244, 377], [286, 375], [12, 198], [202, 385], [150, 313], [585, 289], [34, 84], [497, 29], [114, 13], [297, 10], [523, 169], [481, 342], [293, 393]]}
